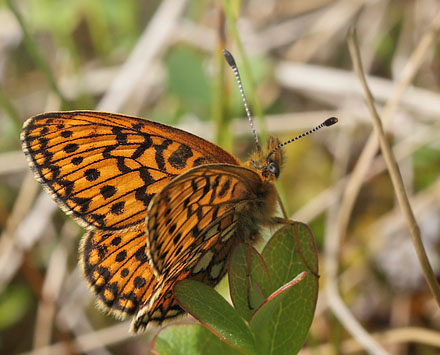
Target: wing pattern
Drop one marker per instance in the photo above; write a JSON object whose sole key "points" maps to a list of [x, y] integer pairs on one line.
{"points": [[197, 210], [117, 270], [194, 223], [104, 169], [160, 204]]}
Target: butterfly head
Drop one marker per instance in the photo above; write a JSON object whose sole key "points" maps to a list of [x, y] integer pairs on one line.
{"points": [[268, 164]]}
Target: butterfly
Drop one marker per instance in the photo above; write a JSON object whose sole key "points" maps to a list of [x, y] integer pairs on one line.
{"points": [[159, 204]]}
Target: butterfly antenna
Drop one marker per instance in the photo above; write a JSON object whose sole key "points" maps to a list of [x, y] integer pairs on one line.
{"points": [[231, 61], [327, 123]]}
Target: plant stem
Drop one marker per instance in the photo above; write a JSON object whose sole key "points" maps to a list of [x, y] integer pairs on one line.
{"points": [[394, 172], [39, 60], [245, 69]]}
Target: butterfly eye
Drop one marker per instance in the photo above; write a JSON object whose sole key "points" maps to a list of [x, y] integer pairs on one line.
{"points": [[273, 168]]}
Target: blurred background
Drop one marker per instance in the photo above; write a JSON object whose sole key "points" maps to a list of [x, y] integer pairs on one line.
{"points": [[162, 60]]}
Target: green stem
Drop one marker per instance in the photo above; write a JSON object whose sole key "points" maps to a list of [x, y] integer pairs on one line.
{"points": [[11, 111], [39, 60], [245, 70], [220, 105]]}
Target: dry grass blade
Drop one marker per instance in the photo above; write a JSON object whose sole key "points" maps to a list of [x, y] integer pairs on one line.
{"points": [[393, 169], [10, 251], [363, 164], [394, 336], [88, 342], [152, 42]]}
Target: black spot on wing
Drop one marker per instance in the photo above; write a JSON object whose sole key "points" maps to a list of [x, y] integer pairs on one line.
{"points": [[107, 191], [137, 126], [177, 238], [139, 282], [140, 255], [120, 162], [116, 241], [83, 202], [92, 174], [178, 159], [70, 148], [66, 134], [121, 256], [200, 161], [117, 208], [141, 195], [77, 160], [146, 176]]}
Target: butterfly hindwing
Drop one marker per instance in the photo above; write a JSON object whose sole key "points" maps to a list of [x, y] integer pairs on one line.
{"points": [[118, 273], [163, 305], [194, 223], [204, 207], [116, 269], [105, 168]]}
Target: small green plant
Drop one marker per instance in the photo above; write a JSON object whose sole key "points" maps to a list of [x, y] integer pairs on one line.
{"points": [[274, 296]]}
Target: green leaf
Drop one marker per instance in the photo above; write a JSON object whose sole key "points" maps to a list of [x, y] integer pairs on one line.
{"points": [[282, 322], [212, 310], [289, 252], [249, 280], [189, 339], [282, 290], [15, 301], [188, 82]]}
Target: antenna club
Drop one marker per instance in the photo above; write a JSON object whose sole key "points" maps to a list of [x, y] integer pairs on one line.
{"points": [[330, 121], [229, 58]]}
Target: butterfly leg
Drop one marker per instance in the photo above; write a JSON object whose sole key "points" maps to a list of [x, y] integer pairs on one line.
{"points": [[280, 220], [280, 203]]}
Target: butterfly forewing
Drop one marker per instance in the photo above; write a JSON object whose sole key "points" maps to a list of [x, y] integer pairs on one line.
{"points": [[105, 168]]}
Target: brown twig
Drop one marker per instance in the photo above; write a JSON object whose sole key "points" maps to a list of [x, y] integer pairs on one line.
{"points": [[394, 336], [363, 165], [90, 341], [394, 172]]}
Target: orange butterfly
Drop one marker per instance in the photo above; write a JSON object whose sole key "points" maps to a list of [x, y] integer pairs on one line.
{"points": [[160, 204]]}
